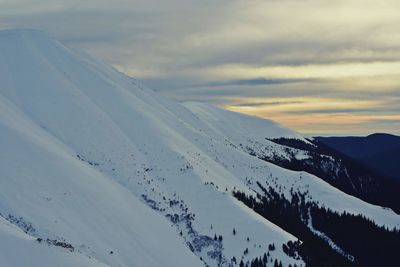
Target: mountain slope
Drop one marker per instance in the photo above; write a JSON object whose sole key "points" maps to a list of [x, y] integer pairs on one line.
{"points": [[378, 151], [30, 252], [339, 170], [134, 179], [61, 198], [100, 122], [362, 147]]}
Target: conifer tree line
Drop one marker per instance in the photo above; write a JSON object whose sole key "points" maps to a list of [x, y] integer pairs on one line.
{"points": [[369, 244]]}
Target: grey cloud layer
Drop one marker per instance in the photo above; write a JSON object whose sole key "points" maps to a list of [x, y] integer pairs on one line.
{"points": [[171, 35], [174, 46]]}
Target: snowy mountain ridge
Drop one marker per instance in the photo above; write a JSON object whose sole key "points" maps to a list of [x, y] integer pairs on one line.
{"points": [[129, 178]]}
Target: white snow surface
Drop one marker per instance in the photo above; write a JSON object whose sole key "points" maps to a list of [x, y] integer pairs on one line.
{"points": [[91, 157], [20, 249]]}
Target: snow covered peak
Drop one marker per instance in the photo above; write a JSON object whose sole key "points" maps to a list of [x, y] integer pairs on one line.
{"points": [[85, 147], [129, 178]]}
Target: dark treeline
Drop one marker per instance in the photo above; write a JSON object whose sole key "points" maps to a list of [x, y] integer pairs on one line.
{"points": [[261, 262], [354, 234], [290, 216], [370, 244]]}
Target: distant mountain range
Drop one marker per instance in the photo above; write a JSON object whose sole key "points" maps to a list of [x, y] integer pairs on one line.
{"points": [[379, 151]]}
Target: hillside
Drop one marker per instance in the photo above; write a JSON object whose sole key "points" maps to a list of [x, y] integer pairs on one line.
{"points": [[115, 175], [378, 151]]}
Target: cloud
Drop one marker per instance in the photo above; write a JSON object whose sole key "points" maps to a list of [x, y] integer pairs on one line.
{"points": [[256, 81], [181, 34], [222, 51], [271, 103]]}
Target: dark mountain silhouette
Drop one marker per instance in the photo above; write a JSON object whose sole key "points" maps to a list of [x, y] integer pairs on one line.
{"points": [[378, 151]]}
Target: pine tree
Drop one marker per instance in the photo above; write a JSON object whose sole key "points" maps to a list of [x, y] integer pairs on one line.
{"points": [[234, 259], [265, 258]]}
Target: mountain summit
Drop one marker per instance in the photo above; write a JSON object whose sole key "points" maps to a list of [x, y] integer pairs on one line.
{"points": [[97, 170]]}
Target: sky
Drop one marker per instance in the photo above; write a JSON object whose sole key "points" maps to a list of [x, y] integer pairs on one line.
{"points": [[320, 67]]}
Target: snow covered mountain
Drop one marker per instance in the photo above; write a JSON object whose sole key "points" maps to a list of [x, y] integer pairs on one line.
{"points": [[97, 170]]}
